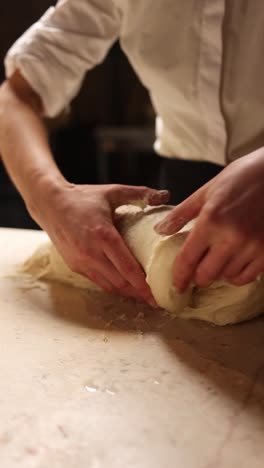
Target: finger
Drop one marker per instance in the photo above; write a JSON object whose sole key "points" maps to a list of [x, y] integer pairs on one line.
{"points": [[212, 264], [112, 275], [130, 194], [193, 249], [98, 279], [249, 273], [106, 268], [121, 257], [239, 262], [131, 292], [157, 197], [182, 213], [110, 272]]}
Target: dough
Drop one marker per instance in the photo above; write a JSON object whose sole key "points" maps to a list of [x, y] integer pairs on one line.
{"points": [[47, 263], [220, 303]]}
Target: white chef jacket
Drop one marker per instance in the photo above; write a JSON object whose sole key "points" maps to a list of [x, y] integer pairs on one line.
{"points": [[190, 54]]}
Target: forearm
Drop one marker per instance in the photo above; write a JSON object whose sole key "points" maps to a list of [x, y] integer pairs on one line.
{"points": [[24, 148]]}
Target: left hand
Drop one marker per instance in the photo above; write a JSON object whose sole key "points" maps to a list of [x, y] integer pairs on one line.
{"points": [[227, 240]]}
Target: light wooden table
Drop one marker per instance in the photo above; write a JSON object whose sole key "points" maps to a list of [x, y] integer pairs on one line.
{"points": [[91, 386]]}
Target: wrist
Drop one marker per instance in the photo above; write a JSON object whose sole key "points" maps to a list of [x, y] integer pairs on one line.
{"points": [[47, 190]]}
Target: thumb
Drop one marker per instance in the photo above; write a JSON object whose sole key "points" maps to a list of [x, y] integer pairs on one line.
{"points": [[140, 196], [182, 213]]}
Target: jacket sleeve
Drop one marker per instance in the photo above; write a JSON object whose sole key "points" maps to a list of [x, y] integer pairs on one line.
{"points": [[54, 54]]}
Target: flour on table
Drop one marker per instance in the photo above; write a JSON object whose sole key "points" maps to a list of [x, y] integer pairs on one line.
{"points": [[221, 303]]}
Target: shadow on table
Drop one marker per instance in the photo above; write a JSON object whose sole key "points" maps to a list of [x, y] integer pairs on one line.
{"points": [[230, 358]]}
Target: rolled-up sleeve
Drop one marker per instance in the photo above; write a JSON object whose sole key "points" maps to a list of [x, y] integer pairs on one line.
{"points": [[54, 54]]}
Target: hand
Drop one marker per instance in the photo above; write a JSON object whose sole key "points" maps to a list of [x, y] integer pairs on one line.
{"points": [[79, 221], [227, 240]]}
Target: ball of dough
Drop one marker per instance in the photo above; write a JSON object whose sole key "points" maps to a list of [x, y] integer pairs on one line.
{"points": [[221, 303], [155, 253]]}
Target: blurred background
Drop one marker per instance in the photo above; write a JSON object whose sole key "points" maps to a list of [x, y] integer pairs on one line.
{"points": [[108, 135]]}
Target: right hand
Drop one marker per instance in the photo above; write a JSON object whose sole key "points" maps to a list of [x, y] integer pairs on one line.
{"points": [[79, 221]]}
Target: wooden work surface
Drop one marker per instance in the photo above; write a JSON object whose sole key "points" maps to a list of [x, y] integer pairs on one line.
{"points": [[89, 384]]}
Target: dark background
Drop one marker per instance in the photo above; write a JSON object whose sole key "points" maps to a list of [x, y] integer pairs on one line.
{"points": [[109, 134]]}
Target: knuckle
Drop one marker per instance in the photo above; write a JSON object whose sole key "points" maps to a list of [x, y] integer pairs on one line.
{"points": [[228, 240], [180, 220], [101, 232], [95, 278], [84, 251], [136, 271], [105, 235], [143, 188], [110, 236], [212, 213], [226, 246], [134, 275], [78, 264], [215, 213], [240, 281], [120, 283], [184, 261], [83, 243], [238, 235], [128, 267], [113, 189], [92, 276], [130, 273], [135, 193]]}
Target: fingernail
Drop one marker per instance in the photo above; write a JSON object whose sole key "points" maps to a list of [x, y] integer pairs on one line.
{"points": [[161, 228], [160, 196], [165, 195], [152, 303], [150, 299], [180, 288]]}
